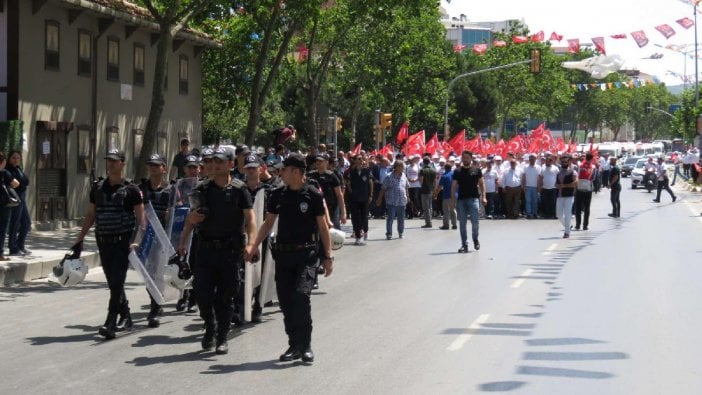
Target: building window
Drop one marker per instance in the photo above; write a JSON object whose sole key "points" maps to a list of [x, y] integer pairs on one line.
{"points": [[85, 53], [139, 64], [52, 46], [112, 138], [183, 75], [83, 148], [113, 59], [138, 142]]}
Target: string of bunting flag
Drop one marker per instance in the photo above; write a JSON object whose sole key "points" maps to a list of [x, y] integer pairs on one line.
{"points": [[636, 83]]}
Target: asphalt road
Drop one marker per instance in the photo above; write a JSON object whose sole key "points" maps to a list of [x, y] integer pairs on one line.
{"points": [[610, 311]]}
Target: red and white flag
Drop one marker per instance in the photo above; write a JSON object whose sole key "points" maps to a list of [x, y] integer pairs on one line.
{"points": [[402, 134], [432, 145], [514, 145], [666, 30], [479, 48], [457, 142], [573, 45], [415, 144], [618, 36], [357, 149], [538, 37], [599, 44], [640, 37], [686, 22], [556, 37], [519, 39], [499, 43], [458, 48]]}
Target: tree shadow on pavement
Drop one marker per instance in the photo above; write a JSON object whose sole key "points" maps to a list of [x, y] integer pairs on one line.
{"points": [[192, 356], [272, 364], [86, 337], [152, 340]]}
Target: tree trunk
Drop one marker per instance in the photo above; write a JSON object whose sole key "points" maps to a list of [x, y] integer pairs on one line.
{"points": [[157, 102]]}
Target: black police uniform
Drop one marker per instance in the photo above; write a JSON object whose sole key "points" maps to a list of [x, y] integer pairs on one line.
{"points": [[296, 257], [160, 199], [115, 224], [220, 246]]}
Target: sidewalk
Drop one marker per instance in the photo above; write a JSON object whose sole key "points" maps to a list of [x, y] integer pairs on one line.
{"points": [[48, 248]]}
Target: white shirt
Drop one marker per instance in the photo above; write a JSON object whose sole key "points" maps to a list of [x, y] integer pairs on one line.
{"points": [[512, 177], [490, 177], [531, 175], [412, 173], [604, 164], [660, 172], [549, 174]]}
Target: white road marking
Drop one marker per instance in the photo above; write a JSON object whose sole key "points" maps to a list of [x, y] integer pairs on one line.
{"points": [[461, 340], [550, 248], [521, 280]]}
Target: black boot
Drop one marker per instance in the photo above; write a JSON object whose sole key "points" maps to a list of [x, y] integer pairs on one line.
{"points": [[125, 318], [153, 318], [208, 337], [110, 327], [222, 347]]}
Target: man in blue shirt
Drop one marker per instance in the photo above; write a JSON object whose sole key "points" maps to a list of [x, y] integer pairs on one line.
{"points": [[444, 188]]}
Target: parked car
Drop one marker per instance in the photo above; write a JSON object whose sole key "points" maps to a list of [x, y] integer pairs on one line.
{"points": [[637, 174], [628, 165]]}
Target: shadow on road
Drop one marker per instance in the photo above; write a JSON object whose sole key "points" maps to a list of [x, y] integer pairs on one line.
{"points": [[273, 364], [167, 359]]}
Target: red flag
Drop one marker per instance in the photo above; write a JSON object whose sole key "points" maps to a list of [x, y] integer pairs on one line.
{"points": [[303, 53], [573, 45], [357, 149], [402, 133], [640, 38], [548, 140], [538, 37], [514, 145], [666, 30], [556, 37], [618, 36], [488, 147], [519, 39], [457, 142], [560, 145], [475, 144], [386, 150], [432, 145], [499, 43], [599, 44], [479, 48], [686, 22], [572, 147], [458, 48], [445, 150], [415, 144], [535, 145]]}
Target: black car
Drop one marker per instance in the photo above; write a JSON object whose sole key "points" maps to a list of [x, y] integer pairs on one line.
{"points": [[628, 165]]}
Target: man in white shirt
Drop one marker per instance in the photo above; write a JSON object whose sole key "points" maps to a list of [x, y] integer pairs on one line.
{"points": [[531, 185], [512, 183], [549, 192], [662, 178], [412, 174], [491, 182]]}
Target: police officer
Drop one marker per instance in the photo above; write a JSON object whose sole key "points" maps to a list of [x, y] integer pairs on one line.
{"points": [[221, 211], [156, 191], [299, 207], [192, 172], [116, 207]]}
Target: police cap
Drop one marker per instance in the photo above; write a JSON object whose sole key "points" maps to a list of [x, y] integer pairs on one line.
{"points": [[207, 153], [242, 150], [252, 160], [295, 160], [222, 153], [156, 159], [192, 160], [115, 154]]}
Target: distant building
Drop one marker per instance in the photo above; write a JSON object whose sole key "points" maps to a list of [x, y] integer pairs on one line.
{"points": [[75, 80], [461, 31]]}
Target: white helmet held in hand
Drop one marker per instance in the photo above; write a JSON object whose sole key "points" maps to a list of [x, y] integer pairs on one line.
{"points": [[71, 270], [337, 238], [177, 273]]}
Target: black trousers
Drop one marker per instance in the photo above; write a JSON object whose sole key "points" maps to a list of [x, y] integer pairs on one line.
{"points": [[614, 199], [294, 276], [114, 258], [663, 184], [582, 208], [359, 217], [216, 282], [548, 199]]}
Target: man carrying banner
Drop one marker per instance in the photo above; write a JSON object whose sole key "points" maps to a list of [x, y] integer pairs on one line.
{"points": [[299, 207], [116, 207], [221, 211], [157, 192]]}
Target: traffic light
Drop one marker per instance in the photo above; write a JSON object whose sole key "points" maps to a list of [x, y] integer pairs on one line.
{"points": [[535, 56], [339, 126], [386, 121]]}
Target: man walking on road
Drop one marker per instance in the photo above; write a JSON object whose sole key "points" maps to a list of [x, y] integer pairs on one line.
{"points": [[469, 183], [662, 178], [427, 178], [615, 188], [567, 181]]}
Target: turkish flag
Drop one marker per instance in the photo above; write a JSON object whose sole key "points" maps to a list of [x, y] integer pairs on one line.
{"points": [[618, 36], [499, 43], [386, 150], [572, 147], [538, 37], [488, 147], [458, 48], [357, 149], [457, 142], [475, 144], [535, 145], [415, 144], [514, 145], [573, 45], [432, 145], [402, 133], [548, 141], [519, 39], [599, 44], [479, 48], [556, 37], [560, 144], [445, 149]]}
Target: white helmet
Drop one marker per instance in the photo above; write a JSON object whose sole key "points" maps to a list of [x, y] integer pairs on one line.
{"points": [[177, 273], [337, 238], [69, 272]]}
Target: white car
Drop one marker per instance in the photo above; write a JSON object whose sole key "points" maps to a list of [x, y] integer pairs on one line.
{"points": [[637, 173]]}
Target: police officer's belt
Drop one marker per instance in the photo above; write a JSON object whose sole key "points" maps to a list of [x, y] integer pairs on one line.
{"points": [[221, 244], [290, 247], [113, 238]]}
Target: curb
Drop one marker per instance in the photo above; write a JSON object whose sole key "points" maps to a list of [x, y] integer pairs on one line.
{"points": [[17, 272]]}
